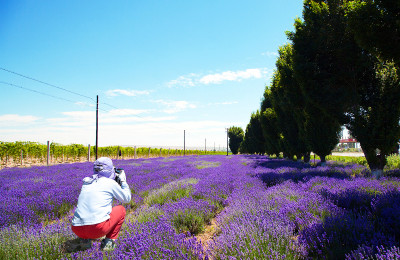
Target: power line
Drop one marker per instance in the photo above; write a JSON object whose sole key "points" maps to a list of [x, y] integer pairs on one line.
{"points": [[45, 83], [32, 90], [71, 101], [42, 93], [64, 89], [68, 100], [54, 86]]}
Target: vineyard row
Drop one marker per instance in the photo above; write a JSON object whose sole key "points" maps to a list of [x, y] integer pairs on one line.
{"points": [[14, 154]]}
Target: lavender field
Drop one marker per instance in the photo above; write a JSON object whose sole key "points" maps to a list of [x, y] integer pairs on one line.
{"points": [[210, 207]]}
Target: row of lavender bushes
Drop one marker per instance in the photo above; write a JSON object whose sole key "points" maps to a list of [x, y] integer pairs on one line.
{"points": [[264, 209]]}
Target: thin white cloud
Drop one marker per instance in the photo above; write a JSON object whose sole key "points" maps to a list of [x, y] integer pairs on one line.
{"points": [[84, 104], [79, 114], [227, 103], [270, 54], [79, 127], [175, 106], [126, 92], [14, 119], [193, 79], [184, 81], [115, 116], [127, 112], [232, 76], [134, 119]]}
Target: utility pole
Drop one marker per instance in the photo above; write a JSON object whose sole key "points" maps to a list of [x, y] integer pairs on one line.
{"points": [[97, 125], [48, 153], [184, 142], [227, 141]]}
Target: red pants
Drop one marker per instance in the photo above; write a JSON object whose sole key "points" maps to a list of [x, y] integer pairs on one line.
{"points": [[110, 228]]}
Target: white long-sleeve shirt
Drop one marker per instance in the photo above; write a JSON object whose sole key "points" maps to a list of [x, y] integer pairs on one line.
{"points": [[95, 200]]}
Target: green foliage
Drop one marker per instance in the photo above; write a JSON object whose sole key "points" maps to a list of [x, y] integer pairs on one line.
{"points": [[348, 159], [376, 26], [288, 104], [19, 243], [13, 150], [172, 191], [393, 161], [147, 214], [37, 152], [190, 221], [324, 69], [269, 125], [206, 164], [375, 119], [236, 136], [254, 141]]}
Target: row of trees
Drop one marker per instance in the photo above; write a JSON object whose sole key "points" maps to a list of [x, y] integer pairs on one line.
{"points": [[340, 68]]}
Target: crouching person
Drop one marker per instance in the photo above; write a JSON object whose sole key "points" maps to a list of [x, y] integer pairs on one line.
{"points": [[94, 216]]}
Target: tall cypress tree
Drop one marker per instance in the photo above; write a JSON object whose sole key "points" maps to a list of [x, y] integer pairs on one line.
{"points": [[288, 102]]}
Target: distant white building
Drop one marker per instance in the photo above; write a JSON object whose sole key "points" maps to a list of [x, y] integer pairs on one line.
{"points": [[347, 141]]}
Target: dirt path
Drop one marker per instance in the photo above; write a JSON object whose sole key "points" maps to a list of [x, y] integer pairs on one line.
{"points": [[210, 231]]}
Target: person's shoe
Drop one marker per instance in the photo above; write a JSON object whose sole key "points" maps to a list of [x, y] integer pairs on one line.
{"points": [[107, 244], [85, 244]]}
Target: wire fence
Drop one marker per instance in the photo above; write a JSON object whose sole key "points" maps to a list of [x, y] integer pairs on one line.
{"points": [[25, 154]]}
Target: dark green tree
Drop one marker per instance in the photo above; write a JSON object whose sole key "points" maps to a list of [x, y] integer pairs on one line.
{"points": [[326, 57], [236, 136], [321, 51], [269, 125], [374, 121], [322, 131], [254, 141], [344, 82], [288, 103], [376, 27]]}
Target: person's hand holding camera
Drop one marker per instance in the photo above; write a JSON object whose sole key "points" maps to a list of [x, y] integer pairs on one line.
{"points": [[122, 176]]}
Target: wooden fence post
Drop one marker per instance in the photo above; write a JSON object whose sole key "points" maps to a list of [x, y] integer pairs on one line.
{"points": [[88, 153], [148, 156], [22, 156], [135, 154], [48, 152]]}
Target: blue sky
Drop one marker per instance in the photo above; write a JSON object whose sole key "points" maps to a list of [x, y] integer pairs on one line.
{"points": [[159, 68]]}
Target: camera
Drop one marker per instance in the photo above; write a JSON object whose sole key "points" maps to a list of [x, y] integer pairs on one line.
{"points": [[117, 179]]}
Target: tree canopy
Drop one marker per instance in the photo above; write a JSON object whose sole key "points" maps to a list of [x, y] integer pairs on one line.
{"points": [[340, 68], [236, 136]]}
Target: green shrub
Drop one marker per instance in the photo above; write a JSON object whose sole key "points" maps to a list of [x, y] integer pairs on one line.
{"points": [[172, 191], [393, 161], [147, 214], [190, 221], [28, 243]]}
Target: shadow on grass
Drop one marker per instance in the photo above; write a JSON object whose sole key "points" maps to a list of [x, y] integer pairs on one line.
{"points": [[273, 163], [74, 245], [276, 171], [359, 231]]}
